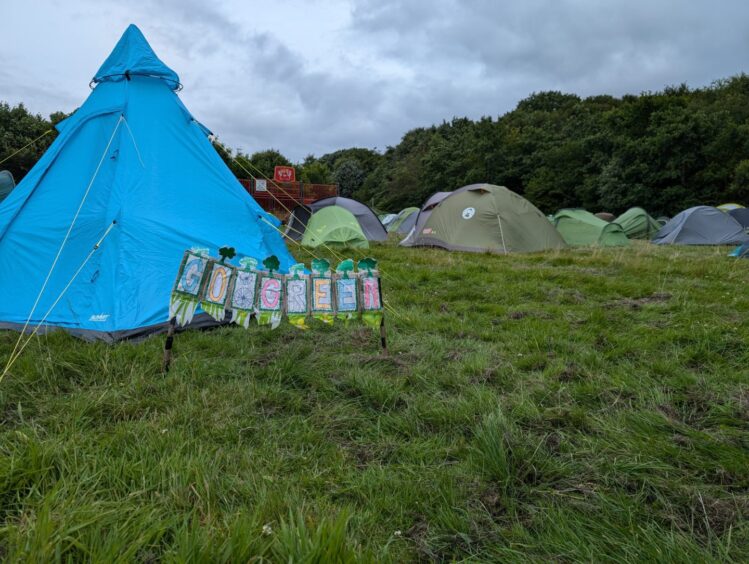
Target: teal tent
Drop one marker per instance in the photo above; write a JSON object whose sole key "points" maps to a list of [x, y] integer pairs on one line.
{"points": [[128, 185]]}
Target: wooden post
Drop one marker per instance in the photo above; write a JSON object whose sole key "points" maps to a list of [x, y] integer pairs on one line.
{"points": [[168, 346]]}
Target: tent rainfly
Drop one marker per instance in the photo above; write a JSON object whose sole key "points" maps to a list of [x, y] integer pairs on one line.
{"points": [[401, 223], [336, 227], [741, 215], [701, 225], [581, 228], [729, 207], [483, 218], [637, 224], [128, 185], [369, 223]]}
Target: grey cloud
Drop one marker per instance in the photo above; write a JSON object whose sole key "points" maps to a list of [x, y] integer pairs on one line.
{"points": [[393, 65]]}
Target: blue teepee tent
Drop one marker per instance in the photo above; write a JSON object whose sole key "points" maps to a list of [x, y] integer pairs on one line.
{"points": [[131, 170]]}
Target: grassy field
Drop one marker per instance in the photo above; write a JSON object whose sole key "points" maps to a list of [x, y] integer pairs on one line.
{"points": [[577, 405]]}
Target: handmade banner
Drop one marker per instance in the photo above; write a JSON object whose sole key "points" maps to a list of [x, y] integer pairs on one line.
{"points": [[371, 295], [347, 291], [297, 296], [186, 293], [243, 292], [246, 291], [270, 294], [322, 291]]}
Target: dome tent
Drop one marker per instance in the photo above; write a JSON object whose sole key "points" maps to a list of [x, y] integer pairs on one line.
{"points": [[580, 228], [701, 225], [132, 167], [742, 251], [6, 184], [730, 206], [637, 224], [421, 218], [741, 215], [334, 226], [404, 221], [368, 221], [481, 218]]}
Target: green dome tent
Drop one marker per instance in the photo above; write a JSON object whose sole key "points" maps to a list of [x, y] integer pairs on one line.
{"points": [[336, 227], [403, 215], [580, 228], [484, 218], [637, 224]]}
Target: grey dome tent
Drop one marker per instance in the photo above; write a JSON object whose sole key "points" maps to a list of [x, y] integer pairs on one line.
{"points": [[369, 222], [741, 215], [421, 218], [6, 184], [701, 225]]}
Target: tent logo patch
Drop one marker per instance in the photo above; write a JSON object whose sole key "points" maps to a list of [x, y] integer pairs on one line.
{"points": [[468, 213], [99, 317]]}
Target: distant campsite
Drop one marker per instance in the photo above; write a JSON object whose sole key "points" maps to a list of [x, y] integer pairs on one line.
{"points": [[520, 338]]}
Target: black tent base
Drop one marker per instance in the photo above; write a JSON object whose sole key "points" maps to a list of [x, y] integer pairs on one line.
{"points": [[200, 321]]}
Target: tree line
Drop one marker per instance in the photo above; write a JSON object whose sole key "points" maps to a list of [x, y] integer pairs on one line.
{"points": [[664, 151]]}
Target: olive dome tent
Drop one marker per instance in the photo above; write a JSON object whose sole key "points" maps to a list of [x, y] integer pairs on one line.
{"points": [[729, 207], [580, 228], [334, 226], [701, 225], [481, 218], [637, 224], [134, 173], [404, 221], [368, 222]]}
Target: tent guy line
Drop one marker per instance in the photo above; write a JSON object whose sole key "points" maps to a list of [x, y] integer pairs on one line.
{"points": [[64, 241], [29, 144], [16, 355]]}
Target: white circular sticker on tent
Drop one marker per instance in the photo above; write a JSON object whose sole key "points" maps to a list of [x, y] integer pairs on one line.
{"points": [[468, 213]]}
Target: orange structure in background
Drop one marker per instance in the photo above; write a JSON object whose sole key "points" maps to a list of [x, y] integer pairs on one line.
{"points": [[274, 196]]}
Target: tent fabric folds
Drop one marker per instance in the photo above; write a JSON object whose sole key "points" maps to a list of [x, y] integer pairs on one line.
{"points": [[132, 164], [401, 223], [741, 215], [637, 224], [483, 218], [582, 228], [701, 225]]}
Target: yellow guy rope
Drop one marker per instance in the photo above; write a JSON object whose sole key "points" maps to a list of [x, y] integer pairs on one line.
{"points": [[15, 354], [62, 245], [27, 145], [336, 255]]}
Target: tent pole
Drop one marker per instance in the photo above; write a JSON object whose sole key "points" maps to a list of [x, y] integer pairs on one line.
{"points": [[383, 336], [168, 346]]}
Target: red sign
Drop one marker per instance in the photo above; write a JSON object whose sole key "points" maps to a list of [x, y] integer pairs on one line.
{"points": [[284, 174]]}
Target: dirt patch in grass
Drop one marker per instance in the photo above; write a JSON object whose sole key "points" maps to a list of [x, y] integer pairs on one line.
{"points": [[638, 303]]}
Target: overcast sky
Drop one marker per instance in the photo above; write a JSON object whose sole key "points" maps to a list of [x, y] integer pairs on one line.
{"points": [[319, 75]]}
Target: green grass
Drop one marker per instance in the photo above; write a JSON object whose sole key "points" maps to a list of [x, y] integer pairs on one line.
{"points": [[577, 405]]}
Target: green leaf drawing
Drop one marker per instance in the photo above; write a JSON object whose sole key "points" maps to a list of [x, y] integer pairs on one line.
{"points": [[345, 268], [320, 266], [368, 264], [297, 269], [227, 253], [248, 263], [271, 263]]}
